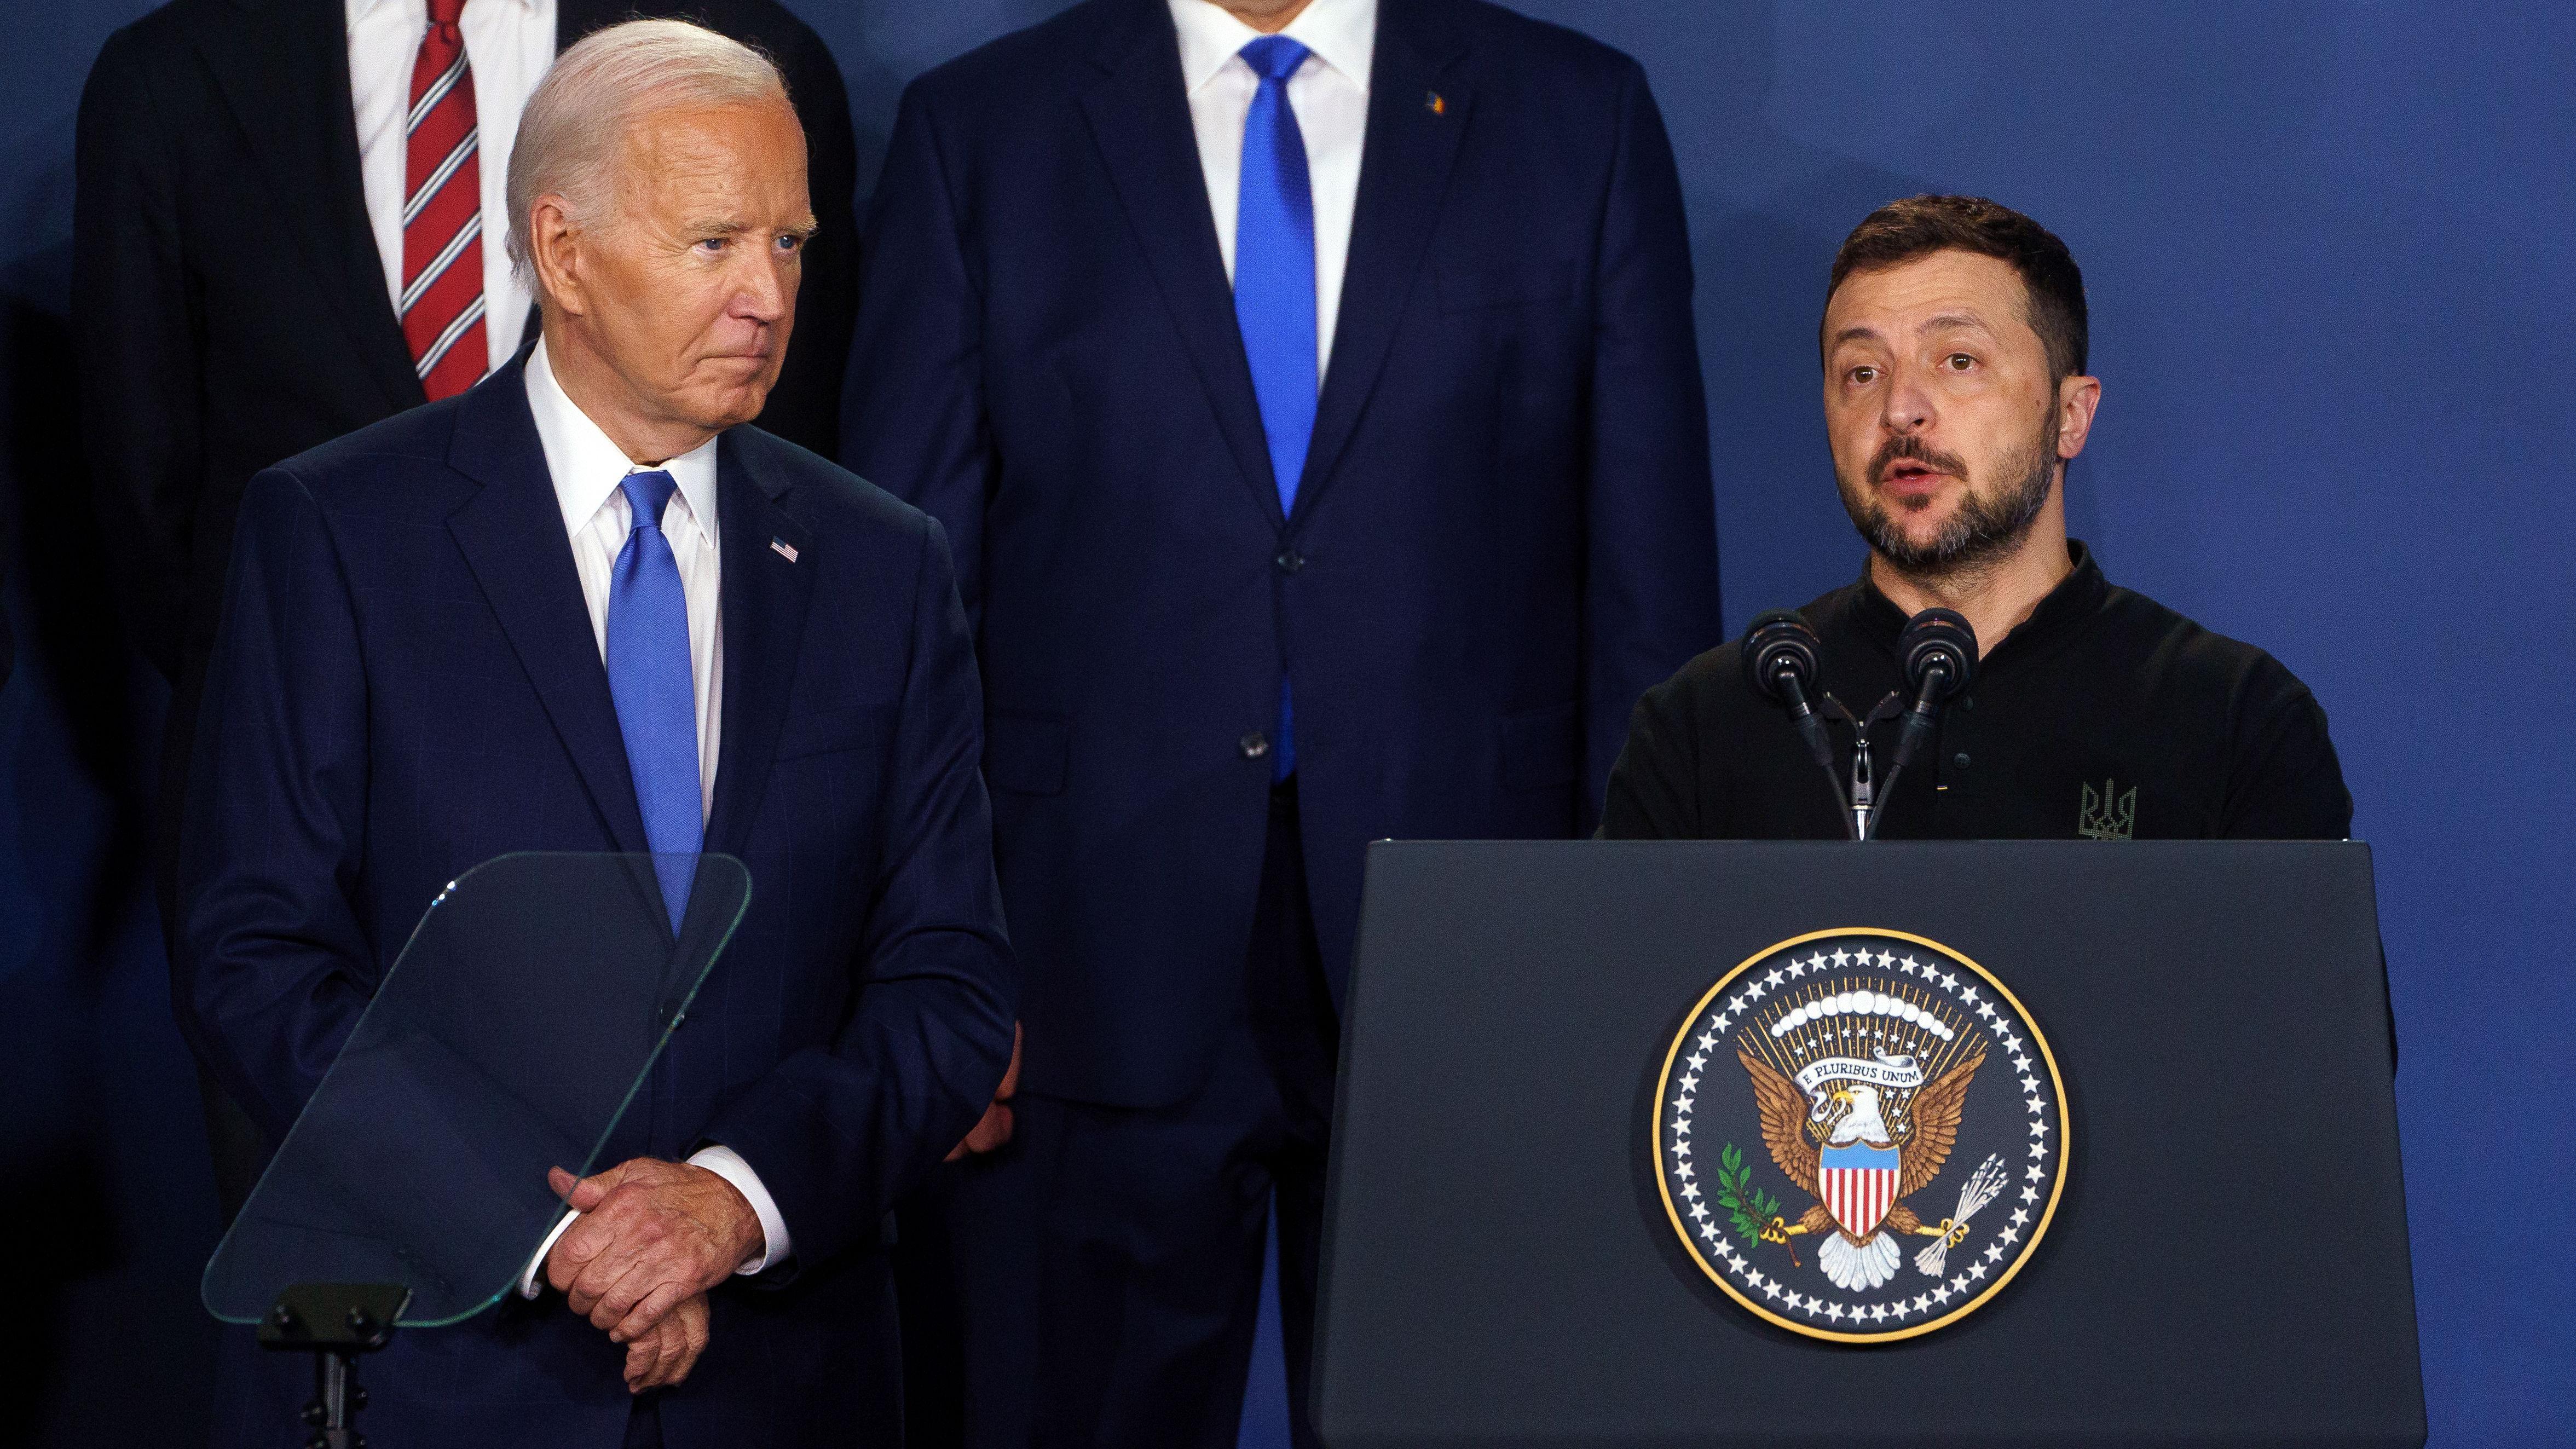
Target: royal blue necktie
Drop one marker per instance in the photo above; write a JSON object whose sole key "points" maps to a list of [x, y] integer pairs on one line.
{"points": [[657, 699], [1274, 289]]}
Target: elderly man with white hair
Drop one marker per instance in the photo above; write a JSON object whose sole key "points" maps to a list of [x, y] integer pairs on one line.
{"points": [[585, 607]]}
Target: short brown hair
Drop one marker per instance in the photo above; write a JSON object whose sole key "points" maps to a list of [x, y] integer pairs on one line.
{"points": [[1921, 225]]}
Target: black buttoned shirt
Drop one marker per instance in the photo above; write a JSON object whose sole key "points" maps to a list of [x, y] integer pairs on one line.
{"points": [[2105, 715]]}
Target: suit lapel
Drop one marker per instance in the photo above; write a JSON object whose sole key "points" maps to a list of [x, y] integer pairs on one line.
{"points": [[284, 70], [765, 599], [1404, 172], [1140, 119], [512, 535]]}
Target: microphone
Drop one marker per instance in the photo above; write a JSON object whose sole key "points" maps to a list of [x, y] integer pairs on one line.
{"points": [[1939, 653], [1780, 658], [1780, 664]]}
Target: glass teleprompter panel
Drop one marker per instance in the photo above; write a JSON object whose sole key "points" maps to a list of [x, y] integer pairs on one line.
{"points": [[520, 1020]]}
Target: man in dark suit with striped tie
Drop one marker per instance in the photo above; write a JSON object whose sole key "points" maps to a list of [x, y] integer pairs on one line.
{"points": [[288, 226], [583, 606], [1310, 387]]}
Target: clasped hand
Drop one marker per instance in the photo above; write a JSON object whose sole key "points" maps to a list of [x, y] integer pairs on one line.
{"points": [[994, 1128], [653, 1238]]}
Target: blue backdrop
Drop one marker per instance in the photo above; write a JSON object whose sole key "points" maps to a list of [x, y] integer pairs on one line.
{"points": [[2329, 252]]}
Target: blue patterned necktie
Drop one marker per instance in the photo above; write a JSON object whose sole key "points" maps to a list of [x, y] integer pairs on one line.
{"points": [[1274, 289], [656, 697]]}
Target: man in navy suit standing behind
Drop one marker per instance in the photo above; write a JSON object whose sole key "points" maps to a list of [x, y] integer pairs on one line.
{"points": [[578, 608], [1310, 388]]}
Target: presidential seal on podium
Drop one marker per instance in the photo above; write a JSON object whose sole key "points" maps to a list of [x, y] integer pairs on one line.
{"points": [[1860, 1135]]}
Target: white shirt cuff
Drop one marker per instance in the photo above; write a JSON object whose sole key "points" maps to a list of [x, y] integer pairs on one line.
{"points": [[726, 1163], [531, 1281]]}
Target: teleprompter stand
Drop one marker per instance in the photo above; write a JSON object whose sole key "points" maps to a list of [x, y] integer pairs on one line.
{"points": [[335, 1322], [2227, 1263]]}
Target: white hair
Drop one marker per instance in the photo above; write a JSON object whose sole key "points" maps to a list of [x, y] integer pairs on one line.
{"points": [[575, 122]]}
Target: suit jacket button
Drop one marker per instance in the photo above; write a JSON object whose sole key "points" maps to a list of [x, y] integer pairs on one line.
{"points": [[1290, 560], [1254, 745]]}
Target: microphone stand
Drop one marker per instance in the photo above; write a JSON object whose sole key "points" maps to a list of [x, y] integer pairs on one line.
{"points": [[1919, 720], [1868, 794], [1780, 655], [1938, 650], [1820, 745]]}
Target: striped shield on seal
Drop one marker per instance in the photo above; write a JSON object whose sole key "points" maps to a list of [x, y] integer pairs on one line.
{"points": [[1858, 1184]]}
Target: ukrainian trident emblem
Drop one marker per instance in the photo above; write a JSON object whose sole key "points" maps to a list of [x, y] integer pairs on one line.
{"points": [[2108, 817]]}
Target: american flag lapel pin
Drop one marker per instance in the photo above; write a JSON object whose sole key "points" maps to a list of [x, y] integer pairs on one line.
{"points": [[783, 549]]}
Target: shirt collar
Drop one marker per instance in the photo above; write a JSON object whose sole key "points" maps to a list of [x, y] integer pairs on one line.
{"points": [[1341, 33], [358, 10], [2076, 596], [587, 467]]}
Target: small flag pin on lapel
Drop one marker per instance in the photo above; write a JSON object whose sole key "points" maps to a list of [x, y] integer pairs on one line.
{"points": [[1437, 106], [783, 549]]}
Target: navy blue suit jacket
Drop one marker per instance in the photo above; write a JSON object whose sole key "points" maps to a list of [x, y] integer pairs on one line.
{"points": [[406, 684], [1502, 536]]}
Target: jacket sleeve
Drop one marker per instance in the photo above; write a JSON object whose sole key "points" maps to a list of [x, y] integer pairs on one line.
{"points": [[913, 420], [1650, 580], [273, 966], [2287, 783], [837, 1135], [1654, 792], [135, 355]]}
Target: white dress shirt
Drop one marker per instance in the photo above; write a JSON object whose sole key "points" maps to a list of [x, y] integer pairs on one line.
{"points": [[1329, 93], [509, 44], [587, 468]]}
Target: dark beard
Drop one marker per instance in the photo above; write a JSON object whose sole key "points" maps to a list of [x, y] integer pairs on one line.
{"points": [[1983, 530]]}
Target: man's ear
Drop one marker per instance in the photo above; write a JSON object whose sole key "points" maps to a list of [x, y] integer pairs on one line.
{"points": [[555, 254], [2077, 397]]}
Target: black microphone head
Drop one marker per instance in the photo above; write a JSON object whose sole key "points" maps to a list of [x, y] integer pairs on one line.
{"points": [[1938, 636], [1780, 642]]}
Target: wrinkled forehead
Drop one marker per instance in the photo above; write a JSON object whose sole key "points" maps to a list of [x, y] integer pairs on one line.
{"points": [[747, 159]]}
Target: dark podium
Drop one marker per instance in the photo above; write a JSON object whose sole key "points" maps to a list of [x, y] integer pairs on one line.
{"points": [[2224, 1260]]}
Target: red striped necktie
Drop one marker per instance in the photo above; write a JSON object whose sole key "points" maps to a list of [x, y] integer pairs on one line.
{"points": [[442, 296]]}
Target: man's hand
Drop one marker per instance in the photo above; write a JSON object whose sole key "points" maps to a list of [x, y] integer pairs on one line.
{"points": [[995, 1127], [653, 1235], [664, 1356]]}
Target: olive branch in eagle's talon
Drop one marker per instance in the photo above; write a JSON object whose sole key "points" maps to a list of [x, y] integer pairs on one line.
{"points": [[1756, 1213]]}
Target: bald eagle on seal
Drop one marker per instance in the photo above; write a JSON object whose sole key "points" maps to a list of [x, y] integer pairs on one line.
{"points": [[1924, 1129]]}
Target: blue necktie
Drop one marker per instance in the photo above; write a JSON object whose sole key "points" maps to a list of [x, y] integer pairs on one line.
{"points": [[657, 701], [1274, 289]]}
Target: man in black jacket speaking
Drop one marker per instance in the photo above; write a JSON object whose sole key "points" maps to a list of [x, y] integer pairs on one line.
{"points": [[1955, 396]]}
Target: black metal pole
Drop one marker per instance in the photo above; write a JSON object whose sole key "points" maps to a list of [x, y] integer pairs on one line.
{"points": [[337, 1397]]}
